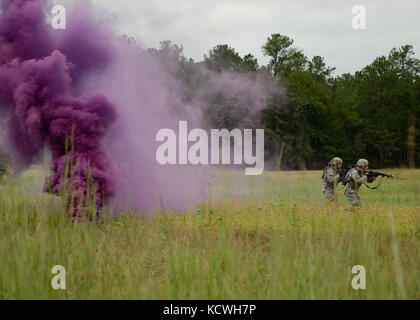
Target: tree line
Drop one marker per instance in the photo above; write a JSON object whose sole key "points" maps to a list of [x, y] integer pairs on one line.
{"points": [[371, 114]]}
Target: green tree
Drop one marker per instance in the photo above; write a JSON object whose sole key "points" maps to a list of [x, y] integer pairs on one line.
{"points": [[250, 63], [304, 121], [223, 58], [408, 70], [388, 104], [350, 142], [415, 134], [319, 69], [284, 58]]}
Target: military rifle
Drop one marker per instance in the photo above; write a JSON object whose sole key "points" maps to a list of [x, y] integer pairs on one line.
{"points": [[376, 174], [370, 174]]}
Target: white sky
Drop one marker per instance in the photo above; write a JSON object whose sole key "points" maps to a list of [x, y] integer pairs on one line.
{"points": [[319, 27]]}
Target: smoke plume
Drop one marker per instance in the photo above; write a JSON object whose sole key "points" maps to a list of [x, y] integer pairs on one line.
{"points": [[39, 77], [97, 101]]}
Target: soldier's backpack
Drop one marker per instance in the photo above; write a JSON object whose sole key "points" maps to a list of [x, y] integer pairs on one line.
{"points": [[345, 176]]}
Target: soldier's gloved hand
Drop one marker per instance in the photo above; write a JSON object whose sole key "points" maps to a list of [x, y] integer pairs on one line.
{"points": [[363, 179]]}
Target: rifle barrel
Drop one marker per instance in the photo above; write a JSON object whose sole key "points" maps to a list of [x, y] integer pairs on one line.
{"points": [[378, 174]]}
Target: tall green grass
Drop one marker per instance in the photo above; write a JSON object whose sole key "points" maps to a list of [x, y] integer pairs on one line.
{"points": [[268, 237]]}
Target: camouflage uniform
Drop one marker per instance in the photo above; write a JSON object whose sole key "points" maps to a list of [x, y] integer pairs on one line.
{"points": [[330, 179], [356, 177]]}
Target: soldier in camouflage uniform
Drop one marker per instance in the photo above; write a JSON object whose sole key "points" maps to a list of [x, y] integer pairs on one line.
{"points": [[355, 177], [330, 178]]}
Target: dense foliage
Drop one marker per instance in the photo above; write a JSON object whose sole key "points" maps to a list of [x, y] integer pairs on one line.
{"points": [[373, 113]]}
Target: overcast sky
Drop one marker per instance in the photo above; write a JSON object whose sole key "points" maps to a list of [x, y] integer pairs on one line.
{"points": [[319, 27]]}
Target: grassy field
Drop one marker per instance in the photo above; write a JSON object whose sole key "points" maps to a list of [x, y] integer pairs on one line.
{"points": [[265, 237]]}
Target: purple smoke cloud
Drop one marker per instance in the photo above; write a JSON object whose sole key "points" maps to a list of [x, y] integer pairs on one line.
{"points": [[39, 76], [49, 84]]}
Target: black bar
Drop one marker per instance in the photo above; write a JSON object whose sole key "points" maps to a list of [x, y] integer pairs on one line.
{"points": [[210, 309]]}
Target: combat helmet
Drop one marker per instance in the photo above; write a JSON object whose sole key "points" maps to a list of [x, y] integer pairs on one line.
{"points": [[336, 161], [362, 163]]}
